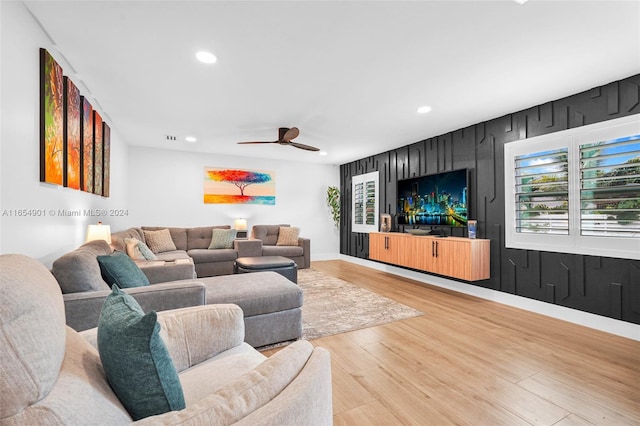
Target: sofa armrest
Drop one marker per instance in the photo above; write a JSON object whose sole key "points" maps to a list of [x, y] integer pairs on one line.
{"points": [[248, 248], [83, 309], [195, 334], [305, 243], [291, 387]]}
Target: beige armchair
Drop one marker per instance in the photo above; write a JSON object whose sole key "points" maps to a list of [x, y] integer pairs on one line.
{"points": [[52, 375]]}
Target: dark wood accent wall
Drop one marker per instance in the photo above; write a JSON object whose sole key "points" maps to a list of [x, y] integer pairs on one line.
{"points": [[600, 285]]}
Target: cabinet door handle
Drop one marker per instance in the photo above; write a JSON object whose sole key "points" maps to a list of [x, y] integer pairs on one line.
{"points": [[436, 248], [433, 251]]}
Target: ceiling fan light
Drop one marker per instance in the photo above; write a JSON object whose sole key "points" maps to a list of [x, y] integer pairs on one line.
{"points": [[206, 57], [424, 109], [323, 153]]}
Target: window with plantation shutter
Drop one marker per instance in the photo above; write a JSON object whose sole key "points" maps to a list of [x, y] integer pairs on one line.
{"points": [[542, 192], [610, 188], [576, 191]]}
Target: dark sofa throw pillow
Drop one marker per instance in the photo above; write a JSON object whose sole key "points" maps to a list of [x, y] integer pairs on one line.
{"points": [[222, 239], [135, 359], [118, 268]]}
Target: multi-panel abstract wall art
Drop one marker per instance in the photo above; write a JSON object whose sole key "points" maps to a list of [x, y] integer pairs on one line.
{"points": [[75, 143]]}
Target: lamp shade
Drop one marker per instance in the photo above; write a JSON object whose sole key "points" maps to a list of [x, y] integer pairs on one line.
{"points": [[240, 224], [99, 232]]}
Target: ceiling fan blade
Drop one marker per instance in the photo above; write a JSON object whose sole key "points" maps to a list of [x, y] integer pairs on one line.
{"points": [[303, 146], [292, 133], [241, 143]]}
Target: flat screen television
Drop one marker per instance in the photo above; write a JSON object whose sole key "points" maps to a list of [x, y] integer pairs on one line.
{"points": [[436, 200]]}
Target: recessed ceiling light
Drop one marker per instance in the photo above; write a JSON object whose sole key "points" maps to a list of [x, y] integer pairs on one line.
{"points": [[424, 109], [190, 139], [206, 57], [323, 153], [520, 1]]}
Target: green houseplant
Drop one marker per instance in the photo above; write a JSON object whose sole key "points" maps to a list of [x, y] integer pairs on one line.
{"points": [[333, 201]]}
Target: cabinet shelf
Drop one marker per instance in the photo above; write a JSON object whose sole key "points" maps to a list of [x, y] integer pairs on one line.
{"points": [[463, 258]]}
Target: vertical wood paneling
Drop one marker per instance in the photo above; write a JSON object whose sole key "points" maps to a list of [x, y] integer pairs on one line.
{"points": [[603, 286]]}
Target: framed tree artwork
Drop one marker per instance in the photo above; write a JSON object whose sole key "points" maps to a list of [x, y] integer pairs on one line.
{"points": [[51, 120], [233, 186]]}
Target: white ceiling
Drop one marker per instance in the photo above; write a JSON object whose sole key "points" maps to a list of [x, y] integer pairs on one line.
{"points": [[349, 74]]}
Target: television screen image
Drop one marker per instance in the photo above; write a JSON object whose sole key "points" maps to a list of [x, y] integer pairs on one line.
{"points": [[436, 200]]}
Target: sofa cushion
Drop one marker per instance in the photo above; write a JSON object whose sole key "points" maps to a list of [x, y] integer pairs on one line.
{"points": [[172, 255], [286, 251], [222, 239], [178, 235], [200, 238], [207, 256], [79, 270], [32, 333], [135, 359], [118, 268], [288, 236], [267, 233], [159, 241], [261, 293]]}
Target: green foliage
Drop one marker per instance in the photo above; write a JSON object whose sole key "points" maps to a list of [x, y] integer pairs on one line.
{"points": [[333, 201]]}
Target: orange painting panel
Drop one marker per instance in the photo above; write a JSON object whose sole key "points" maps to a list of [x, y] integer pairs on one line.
{"points": [[72, 135], [51, 120]]}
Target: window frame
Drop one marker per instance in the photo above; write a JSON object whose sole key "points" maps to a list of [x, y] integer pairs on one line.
{"points": [[608, 246]]}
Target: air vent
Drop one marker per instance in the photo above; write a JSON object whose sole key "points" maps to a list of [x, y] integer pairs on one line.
{"points": [[170, 138]]}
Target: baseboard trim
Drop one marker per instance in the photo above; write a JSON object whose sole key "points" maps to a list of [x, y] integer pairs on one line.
{"points": [[597, 322]]}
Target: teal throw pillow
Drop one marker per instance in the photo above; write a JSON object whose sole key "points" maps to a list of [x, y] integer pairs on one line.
{"points": [[135, 359], [118, 268], [222, 239], [146, 252]]}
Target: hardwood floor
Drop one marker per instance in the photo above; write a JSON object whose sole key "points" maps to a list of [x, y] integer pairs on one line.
{"points": [[469, 361]]}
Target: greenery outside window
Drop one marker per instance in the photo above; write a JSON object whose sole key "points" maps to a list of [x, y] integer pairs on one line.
{"points": [[576, 191], [610, 188]]}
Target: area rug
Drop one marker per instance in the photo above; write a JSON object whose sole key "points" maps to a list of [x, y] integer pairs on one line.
{"points": [[333, 306]]}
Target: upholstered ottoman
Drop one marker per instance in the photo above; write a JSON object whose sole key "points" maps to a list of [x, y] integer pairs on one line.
{"points": [[282, 265], [271, 304]]}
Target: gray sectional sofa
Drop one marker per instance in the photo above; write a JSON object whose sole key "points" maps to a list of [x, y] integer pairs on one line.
{"points": [[193, 243], [271, 304]]}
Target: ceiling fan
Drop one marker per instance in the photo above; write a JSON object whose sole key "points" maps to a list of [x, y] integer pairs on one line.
{"points": [[285, 135]]}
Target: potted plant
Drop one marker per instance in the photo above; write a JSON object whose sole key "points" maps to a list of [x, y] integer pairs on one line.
{"points": [[333, 201]]}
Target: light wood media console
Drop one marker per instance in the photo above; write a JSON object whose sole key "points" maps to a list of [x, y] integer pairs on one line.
{"points": [[462, 258]]}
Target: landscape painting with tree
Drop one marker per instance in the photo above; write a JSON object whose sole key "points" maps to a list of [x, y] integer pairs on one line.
{"points": [[234, 186]]}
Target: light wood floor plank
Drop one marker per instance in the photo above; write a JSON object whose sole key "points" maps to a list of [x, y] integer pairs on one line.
{"points": [[469, 361]]}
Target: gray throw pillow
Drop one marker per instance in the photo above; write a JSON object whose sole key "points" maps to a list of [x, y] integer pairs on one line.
{"points": [[135, 359], [222, 239], [118, 268]]}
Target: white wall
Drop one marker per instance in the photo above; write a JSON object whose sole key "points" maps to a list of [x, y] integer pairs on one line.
{"points": [[166, 189], [43, 237], [153, 187]]}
